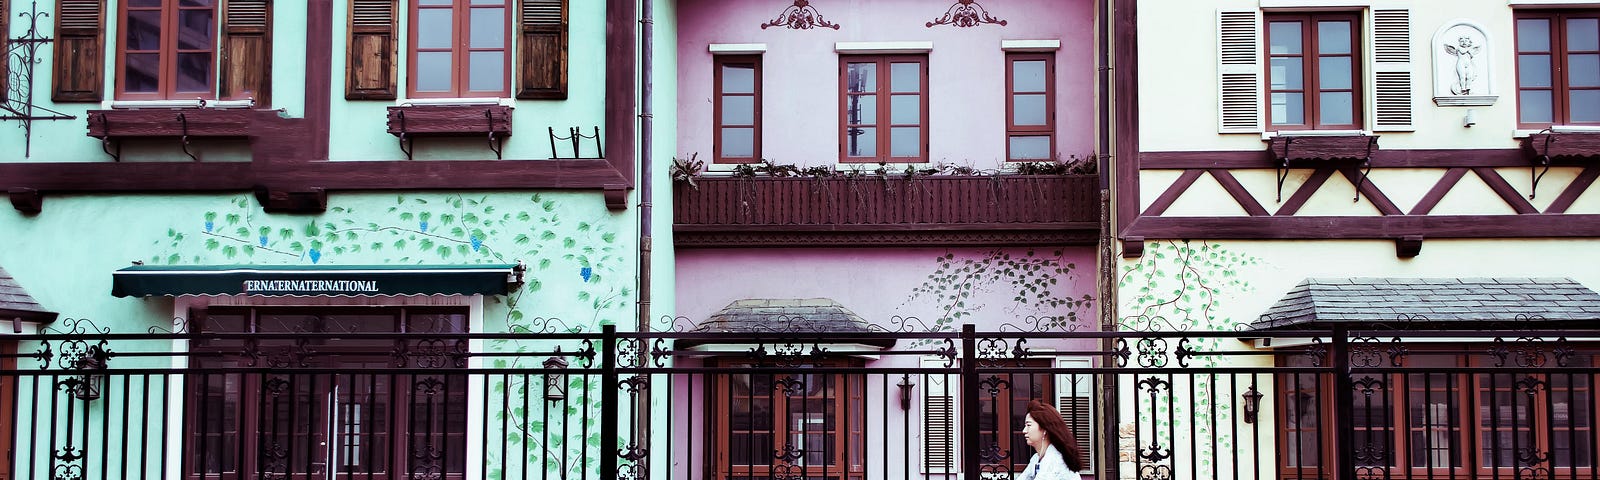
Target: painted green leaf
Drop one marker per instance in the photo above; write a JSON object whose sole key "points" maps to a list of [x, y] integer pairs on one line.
{"points": [[547, 235], [522, 239], [568, 242], [523, 216], [426, 244], [173, 259], [444, 251], [544, 264], [212, 244]]}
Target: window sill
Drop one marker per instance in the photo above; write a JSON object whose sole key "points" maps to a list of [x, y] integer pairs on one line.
{"points": [[466, 101]]}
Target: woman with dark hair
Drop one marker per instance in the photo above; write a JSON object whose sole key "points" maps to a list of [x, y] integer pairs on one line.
{"points": [[1056, 453]]}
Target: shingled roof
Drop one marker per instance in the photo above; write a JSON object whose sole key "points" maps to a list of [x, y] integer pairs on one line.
{"points": [[1372, 301], [16, 303], [782, 315]]}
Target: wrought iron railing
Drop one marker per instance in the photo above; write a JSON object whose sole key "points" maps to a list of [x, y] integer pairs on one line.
{"points": [[84, 402]]}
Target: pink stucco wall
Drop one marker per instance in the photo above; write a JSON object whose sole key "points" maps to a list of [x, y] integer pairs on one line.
{"points": [[966, 71], [880, 284]]}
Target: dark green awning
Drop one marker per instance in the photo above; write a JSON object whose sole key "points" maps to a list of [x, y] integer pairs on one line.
{"points": [[323, 280]]}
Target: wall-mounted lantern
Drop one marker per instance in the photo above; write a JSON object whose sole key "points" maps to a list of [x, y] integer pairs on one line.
{"points": [[1252, 404], [90, 384], [905, 391], [555, 384]]}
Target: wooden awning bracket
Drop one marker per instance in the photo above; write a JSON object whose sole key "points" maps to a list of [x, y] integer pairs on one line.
{"points": [[111, 147], [1542, 159], [496, 143], [184, 121], [406, 146]]}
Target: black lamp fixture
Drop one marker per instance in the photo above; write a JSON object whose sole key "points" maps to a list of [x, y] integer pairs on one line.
{"points": [[1252, 404], [905, 391], [555, 384], [89, 384]]}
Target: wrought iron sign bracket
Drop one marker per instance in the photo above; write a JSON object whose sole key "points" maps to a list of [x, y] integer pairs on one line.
{"points": [[183, 121], [16, 100]]}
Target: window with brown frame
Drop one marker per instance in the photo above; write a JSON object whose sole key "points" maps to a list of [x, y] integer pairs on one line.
{"points": [[814, 420], [1503, 417], [167, 50], [736, 111], [375, 420], [1005, 412], [1558, 68], [1030, 106], [1314, 75], [883, 108], [459, 48]]}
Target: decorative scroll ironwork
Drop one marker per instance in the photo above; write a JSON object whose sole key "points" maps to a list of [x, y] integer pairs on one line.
{"points": [[22, 53], [1152, 352], [1155, 452], [964, 14], [800, 16]]}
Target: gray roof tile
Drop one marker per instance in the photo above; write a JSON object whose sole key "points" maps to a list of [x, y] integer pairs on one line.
{"points": [[1435, 299]]}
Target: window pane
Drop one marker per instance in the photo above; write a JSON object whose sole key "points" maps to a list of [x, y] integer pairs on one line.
{"points": [[488, 2], [197, 3], [1333, 73], [1583, 70], [1287, 73], [1583, 34], [905, 141], [194, 30], [1535, 106], [861, 142], [433, 71], [905, 109], [1533, 70], [434, 2], [1285, 37], [861, 109], [738, 78], [144, 30], [905, 77], [144, 3], [1585, 106], [738, 142], [1572, 450], [1333, 37], [1028, 110], [194, 72], [433, 28], [140, 72], [1533, 35], [487, 71], [738, 110], [1030, 148], [1027, 76], [748, 449], [1337, 108], [488, 28], [1288, 108], [861, 77]]}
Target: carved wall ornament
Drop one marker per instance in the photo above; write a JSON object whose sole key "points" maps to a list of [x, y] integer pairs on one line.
{"points": [[800, 16], [1463, 65], [966, 13]]}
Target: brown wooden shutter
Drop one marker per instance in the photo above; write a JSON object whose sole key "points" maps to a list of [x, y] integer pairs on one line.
{"points": [[1391, 70], [370, 68], [542, 46], [1239, 70], [247, 51], [79, 51]]}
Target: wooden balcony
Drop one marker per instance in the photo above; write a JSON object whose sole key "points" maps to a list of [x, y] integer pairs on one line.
{"points": [[893, 211]]}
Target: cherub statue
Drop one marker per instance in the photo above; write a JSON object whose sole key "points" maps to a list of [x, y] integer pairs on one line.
{"points": [[1465, 51]]}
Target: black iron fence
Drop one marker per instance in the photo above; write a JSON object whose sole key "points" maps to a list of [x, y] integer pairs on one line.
{"points": [[799, 405]]}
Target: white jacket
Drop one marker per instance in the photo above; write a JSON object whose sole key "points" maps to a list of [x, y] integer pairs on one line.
{"points": [[1049, 466]]}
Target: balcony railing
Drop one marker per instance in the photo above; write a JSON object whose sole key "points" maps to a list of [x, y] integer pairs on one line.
{"points": [[920, 209], [785, 404]]}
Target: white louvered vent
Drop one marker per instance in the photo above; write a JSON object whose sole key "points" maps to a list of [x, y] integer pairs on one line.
{"points": [[1391, 101], [1239, 71], [79, 13], [1075, 401], [247, 13], [372, 13], [1241, 102], [541, 12], [939, 420], [1237, 37], [1391, 36]]}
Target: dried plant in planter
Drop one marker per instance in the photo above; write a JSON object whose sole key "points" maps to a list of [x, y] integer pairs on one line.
{"points": [[686, 170]]}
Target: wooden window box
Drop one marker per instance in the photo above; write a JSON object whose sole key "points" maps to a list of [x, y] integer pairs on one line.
{"points": [[1355, 146], [1541, 147], [491, 121], [110, 126]]}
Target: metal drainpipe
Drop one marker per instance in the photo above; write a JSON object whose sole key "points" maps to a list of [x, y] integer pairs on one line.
{"points": [[1108, 276], [647, 181]]}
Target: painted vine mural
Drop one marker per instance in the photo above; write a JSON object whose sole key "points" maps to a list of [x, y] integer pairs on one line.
{"points": [[1180, 286], [574, 262], [1034, 280]]}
